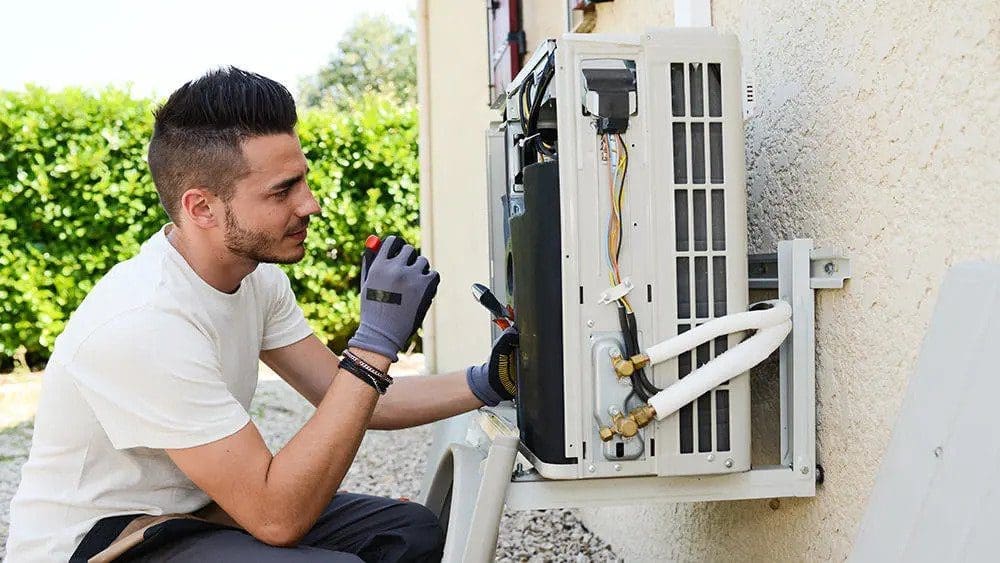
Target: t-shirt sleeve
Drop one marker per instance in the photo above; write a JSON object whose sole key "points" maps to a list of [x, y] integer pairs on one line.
{"points": [[284, 322], [154, 380]]}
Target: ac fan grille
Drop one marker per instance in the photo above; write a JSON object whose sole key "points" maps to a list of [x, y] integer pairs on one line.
{"points": [[700, 224]]}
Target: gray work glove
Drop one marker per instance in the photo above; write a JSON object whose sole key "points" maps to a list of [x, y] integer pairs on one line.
{"points": [[397, 287], [496, 380]]}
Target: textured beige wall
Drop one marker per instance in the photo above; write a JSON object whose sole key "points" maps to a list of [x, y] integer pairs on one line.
{"points": [[455, 114], [541, 21], [877, 131]]}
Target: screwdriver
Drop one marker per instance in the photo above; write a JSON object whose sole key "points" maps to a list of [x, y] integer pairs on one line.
{"points": [[372, 244]]}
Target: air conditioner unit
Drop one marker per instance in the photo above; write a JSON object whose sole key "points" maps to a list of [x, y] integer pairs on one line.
{"points": [[617, 196]]}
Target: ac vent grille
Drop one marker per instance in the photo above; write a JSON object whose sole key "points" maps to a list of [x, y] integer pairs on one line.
{"points": [[699, 201]]}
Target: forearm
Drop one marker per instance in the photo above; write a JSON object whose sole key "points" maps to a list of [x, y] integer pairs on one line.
{"points": [[421, 399], [303, 477]]}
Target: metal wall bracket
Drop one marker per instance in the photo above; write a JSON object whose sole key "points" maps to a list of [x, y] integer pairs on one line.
{"points": [[827, 269], [484, 441]]}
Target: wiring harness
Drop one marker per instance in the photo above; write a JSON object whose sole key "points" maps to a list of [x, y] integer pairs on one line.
{"points": [[615, 154]]}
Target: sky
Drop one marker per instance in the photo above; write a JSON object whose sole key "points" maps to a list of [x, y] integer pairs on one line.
{"points": [[157, 45]]}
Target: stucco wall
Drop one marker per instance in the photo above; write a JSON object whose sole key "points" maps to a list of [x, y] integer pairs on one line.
{"points": [[876, 132], [454, 115]]}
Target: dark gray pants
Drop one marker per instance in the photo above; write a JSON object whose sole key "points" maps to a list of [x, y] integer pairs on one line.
{"points": [[352, 528]]}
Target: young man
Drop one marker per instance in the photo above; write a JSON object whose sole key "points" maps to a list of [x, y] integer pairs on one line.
{"points": [[144, 401]]}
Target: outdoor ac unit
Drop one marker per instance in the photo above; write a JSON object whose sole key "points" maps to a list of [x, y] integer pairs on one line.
{"points": [[616, 200], [617, 218]]}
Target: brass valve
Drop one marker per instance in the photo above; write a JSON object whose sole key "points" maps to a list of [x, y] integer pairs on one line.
{"points": [[643, 415], [625, 368], [628, 425]]}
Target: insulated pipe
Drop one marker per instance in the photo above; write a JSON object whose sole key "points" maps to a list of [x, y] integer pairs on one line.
{"points": [[726, 366], [737, 322]]}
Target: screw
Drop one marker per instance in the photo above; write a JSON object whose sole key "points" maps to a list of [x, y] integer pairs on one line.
{"points": [[829, 268], [591, 468], [774, 504], [804, 470], [618, 467], [729, 462], [710, 457], [938, 452], [590, 323]]}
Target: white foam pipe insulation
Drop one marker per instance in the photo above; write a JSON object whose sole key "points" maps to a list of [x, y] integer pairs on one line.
{"points": [[778, 312], [772, 326]]}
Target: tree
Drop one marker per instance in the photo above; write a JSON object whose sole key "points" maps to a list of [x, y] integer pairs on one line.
{"points": [[375, 55]]}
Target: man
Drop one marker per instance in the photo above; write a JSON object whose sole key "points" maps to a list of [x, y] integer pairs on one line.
{"points": [[144, 401]]}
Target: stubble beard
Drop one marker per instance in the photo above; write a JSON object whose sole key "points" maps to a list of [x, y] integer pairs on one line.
{"points": [[257, 246]]}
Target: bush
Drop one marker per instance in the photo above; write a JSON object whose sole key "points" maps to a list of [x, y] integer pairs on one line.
{"points": [[76, 198], [364, 172]]}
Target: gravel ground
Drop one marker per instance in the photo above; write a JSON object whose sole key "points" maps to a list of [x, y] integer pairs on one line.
{"points": [[388, 463]]}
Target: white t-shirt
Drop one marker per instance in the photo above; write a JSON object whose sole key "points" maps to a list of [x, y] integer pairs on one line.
{"points": [[153, 358]]}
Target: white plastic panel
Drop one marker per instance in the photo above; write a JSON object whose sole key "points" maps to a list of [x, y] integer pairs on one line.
{"points": [[714, 227]]}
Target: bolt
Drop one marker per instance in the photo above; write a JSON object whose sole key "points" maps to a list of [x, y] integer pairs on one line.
{"points": [[618, 467], [804, 470], [829, 268], [774, 504], [729, 462], [710, 457], [591, 468], [938, 452], [590, 323]]}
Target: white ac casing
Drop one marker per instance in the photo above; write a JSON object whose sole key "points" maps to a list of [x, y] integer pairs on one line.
{"points": [[684, 245]]}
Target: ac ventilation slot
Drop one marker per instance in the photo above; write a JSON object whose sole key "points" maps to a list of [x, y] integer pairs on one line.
{"points": [[700, 239]]}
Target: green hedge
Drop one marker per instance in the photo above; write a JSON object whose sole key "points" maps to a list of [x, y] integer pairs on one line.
{"points": [[76, 198]]}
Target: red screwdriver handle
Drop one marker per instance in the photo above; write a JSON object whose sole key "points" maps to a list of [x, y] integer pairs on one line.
{"points": [[372, 244]]}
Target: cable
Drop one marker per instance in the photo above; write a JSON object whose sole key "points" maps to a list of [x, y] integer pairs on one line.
{"points": [[616, 152]]}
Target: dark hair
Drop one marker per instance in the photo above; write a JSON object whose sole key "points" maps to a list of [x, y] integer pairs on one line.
{"points": [[198, 132]]}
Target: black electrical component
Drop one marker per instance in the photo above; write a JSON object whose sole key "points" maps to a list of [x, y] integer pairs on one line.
{"points": [[607, 97], [537, 296]]}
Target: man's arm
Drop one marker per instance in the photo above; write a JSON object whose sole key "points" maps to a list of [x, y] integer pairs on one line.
{"points": [[278, 498], [309, 367]]}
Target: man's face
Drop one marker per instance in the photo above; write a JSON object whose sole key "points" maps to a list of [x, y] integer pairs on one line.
{"points": [[267, 217]]}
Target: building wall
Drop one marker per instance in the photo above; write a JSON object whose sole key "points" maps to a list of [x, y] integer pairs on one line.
{"points": [[454, 115], [876, 133]]}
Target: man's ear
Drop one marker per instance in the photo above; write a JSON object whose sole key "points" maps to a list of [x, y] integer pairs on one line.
{"points": [[200, 206]]}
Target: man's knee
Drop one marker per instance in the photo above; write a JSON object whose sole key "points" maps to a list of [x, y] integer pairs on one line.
{"points": [[422, 530]]}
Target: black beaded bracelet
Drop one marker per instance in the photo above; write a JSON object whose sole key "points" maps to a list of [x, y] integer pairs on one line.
{"points": [[366, 372]]}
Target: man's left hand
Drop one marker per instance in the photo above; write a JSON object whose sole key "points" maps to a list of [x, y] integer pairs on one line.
{"points": [[496, 380]]}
